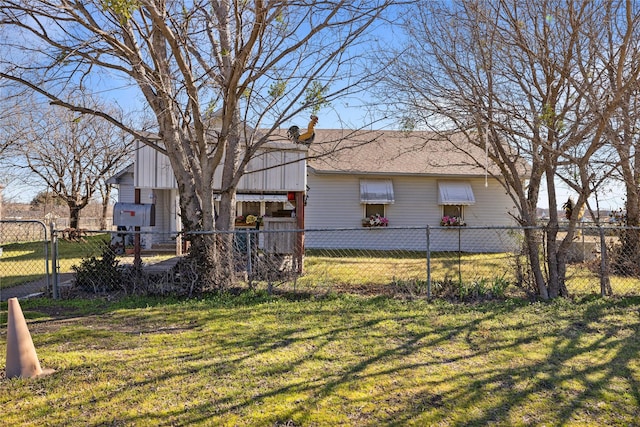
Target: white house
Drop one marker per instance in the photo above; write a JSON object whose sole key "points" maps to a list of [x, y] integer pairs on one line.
{"points": [[411, 179]]}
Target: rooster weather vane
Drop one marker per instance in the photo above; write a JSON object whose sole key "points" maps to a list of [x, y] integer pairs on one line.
{"points": [[306, 138]]}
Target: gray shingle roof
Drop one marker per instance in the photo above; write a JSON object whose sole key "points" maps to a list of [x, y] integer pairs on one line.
{"points": [[395, 153]]}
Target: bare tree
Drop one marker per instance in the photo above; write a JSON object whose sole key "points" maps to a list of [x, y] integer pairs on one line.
{"points": [[5, 141], [620, 40], [72, 154], [525, 81], [258, 62], [11, 111], [625, 139]]}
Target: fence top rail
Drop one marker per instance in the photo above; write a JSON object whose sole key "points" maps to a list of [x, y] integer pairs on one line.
{"points": [[26, 221], [561, 227], [21, 221], [45, 229]]}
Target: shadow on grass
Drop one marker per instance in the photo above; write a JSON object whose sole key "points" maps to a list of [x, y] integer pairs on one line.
{"points": [[488, 393], [260, 360]]}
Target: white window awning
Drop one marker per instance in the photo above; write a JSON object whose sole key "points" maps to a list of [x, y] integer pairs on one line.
{"points": [[455, 193], [258, 197], [376, 191], [261, 197]]}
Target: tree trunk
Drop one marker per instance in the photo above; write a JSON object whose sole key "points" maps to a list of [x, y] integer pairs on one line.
{"points": [[105, 207], [533, 248], [552, 261], [225, 241], [74, 216], [605, 283], [556, 254], [557, 260], [226, 215]]}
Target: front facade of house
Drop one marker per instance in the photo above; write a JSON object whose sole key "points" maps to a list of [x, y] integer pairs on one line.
{"points": [[409, 181], [273, 175]]}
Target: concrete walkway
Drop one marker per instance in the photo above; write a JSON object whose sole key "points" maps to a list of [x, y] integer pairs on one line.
{"points": [[34, 289]]}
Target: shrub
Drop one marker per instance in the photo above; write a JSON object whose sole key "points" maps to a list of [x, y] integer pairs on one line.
{"points": [[624, 257], [412, 287], [98, 274], [477, 290]]}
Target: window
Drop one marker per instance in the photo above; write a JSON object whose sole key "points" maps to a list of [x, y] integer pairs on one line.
{"points": [[250, 208], [373, 209], [259, 204], [259, 208], [375, 194], [453, 210], [455, 193]]}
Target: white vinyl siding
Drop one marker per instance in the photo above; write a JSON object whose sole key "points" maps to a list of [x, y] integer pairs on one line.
{"points": [[278, 168], [334, 202], [126, 190], [264, 174]]}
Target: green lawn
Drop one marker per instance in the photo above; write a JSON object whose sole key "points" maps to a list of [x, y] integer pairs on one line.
{"points": [[336, 360], [25, 262], [357, 269], [376, 267]]}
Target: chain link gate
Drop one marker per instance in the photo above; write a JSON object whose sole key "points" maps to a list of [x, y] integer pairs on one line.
{"points": [[24, 259]]}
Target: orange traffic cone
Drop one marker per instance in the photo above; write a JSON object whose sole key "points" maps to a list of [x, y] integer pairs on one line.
{"points": [[22, 360]]}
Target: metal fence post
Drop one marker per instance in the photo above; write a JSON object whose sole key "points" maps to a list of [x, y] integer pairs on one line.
{"points": [[459, 255], [249, 266], [428, 263], [54, 260], [605, 283], [46, 257], [584, 249]]}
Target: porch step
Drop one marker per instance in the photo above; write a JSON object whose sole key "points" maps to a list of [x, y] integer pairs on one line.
{"points": [[162, 266], [161, 248]]}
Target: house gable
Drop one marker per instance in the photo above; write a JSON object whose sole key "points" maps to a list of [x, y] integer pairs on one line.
{"points": [[276, 168]]}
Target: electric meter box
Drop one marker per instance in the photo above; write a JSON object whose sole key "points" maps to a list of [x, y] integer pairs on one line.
{"points": [[134, 215]]}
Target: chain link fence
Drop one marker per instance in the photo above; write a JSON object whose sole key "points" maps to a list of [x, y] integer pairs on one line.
{"points": [[467, 262], [24, 259], [414, 261], [451, 262]]}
